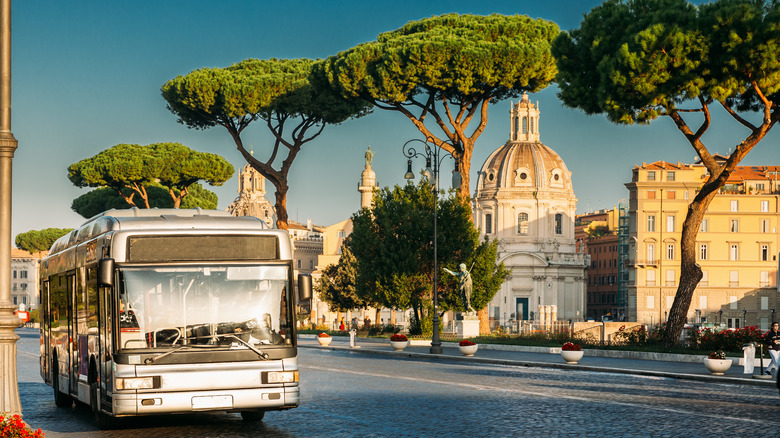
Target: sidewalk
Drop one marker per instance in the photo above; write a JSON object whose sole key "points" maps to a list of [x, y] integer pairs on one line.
{"points": [[610, 361]]}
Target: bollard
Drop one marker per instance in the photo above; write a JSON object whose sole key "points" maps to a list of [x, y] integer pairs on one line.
{"points": [[352, 339], [749, 357]]}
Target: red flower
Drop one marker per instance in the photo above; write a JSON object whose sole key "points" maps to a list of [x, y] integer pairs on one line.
{"points": [[323, 335], [398, 338], [465, 343], [571, 347]]}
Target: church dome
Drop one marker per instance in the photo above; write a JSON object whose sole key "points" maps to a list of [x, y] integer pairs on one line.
{"points": [[524, 162]]}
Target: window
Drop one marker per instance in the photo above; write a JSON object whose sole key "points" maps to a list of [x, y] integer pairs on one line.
{"points": [[558, 223], [685, 194], [764, 206], [670, 279], [525, 125], [703, 251], [669, 302], [764, 279], [522, 223], [23, 274], [703, 302], [733, 282], [650, 277], [765, 303], [299, 264], [734, 205], [651, 176], [670, 251], [311, 264], [671, 194], [704, 279], [342, 234], [704, 226], [670, 224], [764, 252], [651, 194], [14, 275], [488, 223], [651, 302], [764, 225], [650, 253], [670, 176], [735, 225], [734, 251], [650, 223], [24, 286]]}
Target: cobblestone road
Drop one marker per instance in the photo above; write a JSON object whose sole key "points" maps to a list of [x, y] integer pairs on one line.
{"points": [[345, 394]]}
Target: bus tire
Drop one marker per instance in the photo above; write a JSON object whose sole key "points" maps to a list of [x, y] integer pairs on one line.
{"points": [[61, 400], [252, 415]]}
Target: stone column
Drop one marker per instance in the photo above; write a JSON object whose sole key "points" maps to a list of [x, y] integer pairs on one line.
{"points": [[9, 390]]}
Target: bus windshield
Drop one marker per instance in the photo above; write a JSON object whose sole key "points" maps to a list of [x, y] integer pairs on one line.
{"points": [[220, 305]]}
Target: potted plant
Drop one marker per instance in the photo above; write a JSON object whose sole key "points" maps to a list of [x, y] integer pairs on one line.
{"points": [[571, 352], [467, 348], [324, 339], [717, 363], [399, 342]]}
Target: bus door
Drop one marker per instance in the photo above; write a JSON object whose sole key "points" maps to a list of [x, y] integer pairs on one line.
{"points": [[106, 341], [73, 351], [45, 322]]}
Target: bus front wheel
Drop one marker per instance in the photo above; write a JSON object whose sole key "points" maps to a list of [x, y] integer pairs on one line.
{"points": [[252, 415]]}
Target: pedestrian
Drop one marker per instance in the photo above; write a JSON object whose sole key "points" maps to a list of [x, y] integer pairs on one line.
{"points": [[341, 326], [772, 341]]}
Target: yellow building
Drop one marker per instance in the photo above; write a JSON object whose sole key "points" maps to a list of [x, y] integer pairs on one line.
{"points": [[736, 247]]}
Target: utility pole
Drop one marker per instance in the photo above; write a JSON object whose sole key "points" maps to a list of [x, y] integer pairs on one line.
{"points": [[9, 389]]}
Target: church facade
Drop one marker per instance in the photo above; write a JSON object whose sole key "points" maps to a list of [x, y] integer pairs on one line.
{"points": [[524, 198]]}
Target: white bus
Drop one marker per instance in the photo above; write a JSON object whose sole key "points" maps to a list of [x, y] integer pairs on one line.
{"points": [[170, 311]]}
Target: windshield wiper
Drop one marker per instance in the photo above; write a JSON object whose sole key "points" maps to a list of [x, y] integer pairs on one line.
{"points": [[150, 360], [263, 355]]}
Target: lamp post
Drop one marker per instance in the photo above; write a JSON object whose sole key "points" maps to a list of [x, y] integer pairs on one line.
{"points": [[433, 157]]}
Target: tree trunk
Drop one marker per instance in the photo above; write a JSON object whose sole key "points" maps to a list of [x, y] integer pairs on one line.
{"points": [[690, 271], [281, 206], [484, 321]]}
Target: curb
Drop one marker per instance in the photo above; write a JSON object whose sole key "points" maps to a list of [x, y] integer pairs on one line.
{"points": [[563, 366]]}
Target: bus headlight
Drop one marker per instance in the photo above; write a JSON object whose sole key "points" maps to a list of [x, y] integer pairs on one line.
{"points": [[138, 383], [280, 376]]}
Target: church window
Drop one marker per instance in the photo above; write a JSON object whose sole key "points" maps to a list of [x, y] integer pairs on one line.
{"points": [[558, 223], [517, 127], [523, 176], [533, 124], [556, 177], [522, 223], [488, 223], [525, 125]]}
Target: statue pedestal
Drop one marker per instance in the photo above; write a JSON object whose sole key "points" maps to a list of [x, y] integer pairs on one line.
{"points": [[468, 327]]}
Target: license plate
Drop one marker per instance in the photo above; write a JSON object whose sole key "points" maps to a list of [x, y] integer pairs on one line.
{"points": [[212, 402]]}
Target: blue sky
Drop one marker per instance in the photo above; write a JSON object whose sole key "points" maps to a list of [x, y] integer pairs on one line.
{"points": [[87, 76]]}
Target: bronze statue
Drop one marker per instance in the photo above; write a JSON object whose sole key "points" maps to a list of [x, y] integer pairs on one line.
{"points": [[464, 285]]}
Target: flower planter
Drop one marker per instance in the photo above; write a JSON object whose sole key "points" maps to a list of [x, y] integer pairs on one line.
{"points": [[399, 345], [572, 356], [324, 341], [717, 366], [468, 350]]}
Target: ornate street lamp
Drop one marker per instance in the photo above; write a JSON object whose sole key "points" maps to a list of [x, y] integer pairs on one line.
{"points": [[433, 157]]}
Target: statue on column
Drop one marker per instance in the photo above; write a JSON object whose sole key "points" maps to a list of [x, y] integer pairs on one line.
{"points": [[464, 285], [369, 157]]}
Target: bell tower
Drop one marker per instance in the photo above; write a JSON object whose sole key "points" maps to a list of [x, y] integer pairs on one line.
{"points": [[525, 121]]}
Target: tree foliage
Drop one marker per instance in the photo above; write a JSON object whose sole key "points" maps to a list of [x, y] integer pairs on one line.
{"points": [[637, 60], [337, 285], [130, 170], [99, 200], [294, 105], [446, 70], [393, 249], [40, 240]]}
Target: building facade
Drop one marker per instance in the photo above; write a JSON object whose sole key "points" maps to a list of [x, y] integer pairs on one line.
{"points": [[736, 247], [252, 200], [598, 233], [524, 198], [24, 278]]}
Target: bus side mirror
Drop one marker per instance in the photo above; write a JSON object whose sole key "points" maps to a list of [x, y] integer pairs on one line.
{"points": [[106, 272], [304, 287]]}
